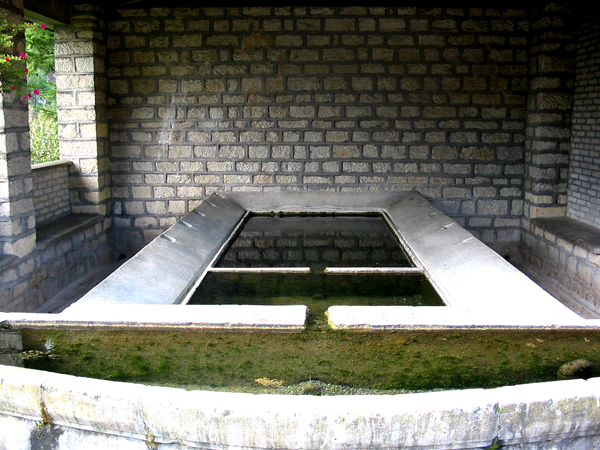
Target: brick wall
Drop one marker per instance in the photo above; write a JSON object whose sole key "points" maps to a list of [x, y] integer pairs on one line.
{"points": [[347, 99], [584, 181], [51, 196]]}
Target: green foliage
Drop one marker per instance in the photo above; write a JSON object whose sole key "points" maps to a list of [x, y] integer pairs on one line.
{"points": [[43, 123], [40, 62], [40, 50], [12, 66], [43, 135], [34, 81]]}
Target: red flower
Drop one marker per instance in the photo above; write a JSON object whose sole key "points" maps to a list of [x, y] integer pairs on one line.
{"points": [[22, 55], [26, 70], [36, 92], [14, 88], [43, 27], [7, 59], [29, 95]]}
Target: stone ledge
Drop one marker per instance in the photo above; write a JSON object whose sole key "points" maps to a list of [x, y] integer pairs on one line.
{"points": [[51, 164], [448, 318], [64, 228], [574, 232], [230, 317]]}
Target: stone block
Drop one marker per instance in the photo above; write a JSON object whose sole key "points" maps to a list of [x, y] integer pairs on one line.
{"points": [[303, 83], [392, 24], [339, 54], [554, 101], [302, 111], [492, 207], [63, 48], [386, 136], [312, 179], [288, 41]]}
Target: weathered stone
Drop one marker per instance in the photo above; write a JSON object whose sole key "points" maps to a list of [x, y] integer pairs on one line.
{"points": [[580, 368]]}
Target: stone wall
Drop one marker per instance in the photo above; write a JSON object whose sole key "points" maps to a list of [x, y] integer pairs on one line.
{"points": [[17, 215], [584, 180], [345, 98], [11, 347], [567, 248], [553, 246], [51, 191], [69, 411], [552, 52], [38, 256], [61, 258]]}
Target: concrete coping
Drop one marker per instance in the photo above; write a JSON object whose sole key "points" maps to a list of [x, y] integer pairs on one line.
{"points": [[436, 317], [51, 164], [230, 317], [478, 286], [259, 269], [390, 270], [524, 416]]}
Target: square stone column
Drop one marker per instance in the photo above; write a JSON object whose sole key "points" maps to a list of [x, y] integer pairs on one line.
{"points": [[549, 108], [17, 214], [82, 111]]}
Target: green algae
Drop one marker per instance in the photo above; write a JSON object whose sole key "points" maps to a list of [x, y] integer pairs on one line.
{"points": [[355, 361]]}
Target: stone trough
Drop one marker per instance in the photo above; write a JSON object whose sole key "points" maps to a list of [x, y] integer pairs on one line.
{"points": [[479, 288]]}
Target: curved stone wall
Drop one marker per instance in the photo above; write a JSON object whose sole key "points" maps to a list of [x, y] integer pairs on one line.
{"points": [[73, 413]]}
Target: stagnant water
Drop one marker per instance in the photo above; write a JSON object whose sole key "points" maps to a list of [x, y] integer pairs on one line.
{"points": [[316, 242], [317, 360], [318, 291]]}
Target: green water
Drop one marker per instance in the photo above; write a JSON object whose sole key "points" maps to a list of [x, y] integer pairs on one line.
{"points": [[317, 360], [315, 242], [318, 291]]}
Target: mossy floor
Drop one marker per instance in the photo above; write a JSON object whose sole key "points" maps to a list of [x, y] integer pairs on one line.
{"points": [[354, 362]]}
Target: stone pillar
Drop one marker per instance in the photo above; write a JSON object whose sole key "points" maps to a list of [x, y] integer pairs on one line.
{"points": [[549, 111], [11, 347], [17, 214], [82, 112]]}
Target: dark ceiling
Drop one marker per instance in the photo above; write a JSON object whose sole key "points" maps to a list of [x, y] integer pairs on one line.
{"points": [[58, 10]]}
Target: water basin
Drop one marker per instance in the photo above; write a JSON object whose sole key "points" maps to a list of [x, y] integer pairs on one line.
{"points": [[317, 260]]}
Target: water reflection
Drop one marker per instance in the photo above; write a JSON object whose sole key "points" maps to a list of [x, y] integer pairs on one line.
{"points": [[315, 242]]}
